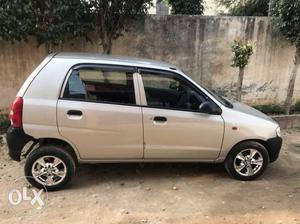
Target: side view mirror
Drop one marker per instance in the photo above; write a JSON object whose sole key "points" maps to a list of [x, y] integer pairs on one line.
{"points": [[209, 107]]}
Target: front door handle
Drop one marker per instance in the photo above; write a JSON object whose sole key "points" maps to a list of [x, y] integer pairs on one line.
{"points": [[160, 119], [74, 113]]}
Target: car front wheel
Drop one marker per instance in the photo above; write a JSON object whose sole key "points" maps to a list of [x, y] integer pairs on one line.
{"points": [[247, 160]]}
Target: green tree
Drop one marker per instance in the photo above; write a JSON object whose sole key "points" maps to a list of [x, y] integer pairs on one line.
{"points": [[51, 22], [15, 21], [241, 56], [246, 7], [110, 18], [286, 15], [56, 21], [186, 7]]}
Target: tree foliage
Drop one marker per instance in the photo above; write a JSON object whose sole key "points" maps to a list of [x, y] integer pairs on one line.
{"points": [[186, 7], [286, 14], [110, 18], [49, 21], [15, 21], [246, 7], [57, 21], [241, 53], [54, 22]]}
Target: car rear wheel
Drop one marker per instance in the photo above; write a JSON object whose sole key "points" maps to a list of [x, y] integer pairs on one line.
{"points": [[49, 167], [247, 160]]}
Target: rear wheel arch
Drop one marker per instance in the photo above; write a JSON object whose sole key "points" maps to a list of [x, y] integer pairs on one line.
{"points": [[59, 142]]}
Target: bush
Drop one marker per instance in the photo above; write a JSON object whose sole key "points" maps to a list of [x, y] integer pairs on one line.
{"points": [[276, 109], [4, 121], [296, 107], [271, 109]]}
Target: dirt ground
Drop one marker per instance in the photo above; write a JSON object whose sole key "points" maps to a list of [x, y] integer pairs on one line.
{"points": [[163, 193]]}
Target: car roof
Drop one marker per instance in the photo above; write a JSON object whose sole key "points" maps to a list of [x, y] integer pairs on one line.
{"points": [[117, 59]]}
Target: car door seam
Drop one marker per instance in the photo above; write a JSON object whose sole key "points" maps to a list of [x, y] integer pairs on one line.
{"points": [[143, 129]]}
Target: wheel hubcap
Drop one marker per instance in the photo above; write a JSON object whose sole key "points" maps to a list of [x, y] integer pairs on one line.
{"points": [[49, 170], [248, 162]]}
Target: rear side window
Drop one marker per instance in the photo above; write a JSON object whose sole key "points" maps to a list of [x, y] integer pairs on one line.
{"points": [[101, 85]]}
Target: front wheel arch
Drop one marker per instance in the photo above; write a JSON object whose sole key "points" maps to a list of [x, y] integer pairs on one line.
{"points": [[264, 143]]}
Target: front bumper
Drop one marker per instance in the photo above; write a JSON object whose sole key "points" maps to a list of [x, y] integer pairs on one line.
{"points": [[274, 146], [16, 140]]}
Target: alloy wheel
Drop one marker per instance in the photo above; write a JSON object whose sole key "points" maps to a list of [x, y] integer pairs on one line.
{"points": [[248, 162], [49, 170]]}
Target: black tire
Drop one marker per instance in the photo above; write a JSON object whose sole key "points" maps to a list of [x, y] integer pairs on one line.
{"points": [[230, 160], [50, 150]]}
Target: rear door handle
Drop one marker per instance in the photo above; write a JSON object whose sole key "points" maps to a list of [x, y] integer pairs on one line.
{"points": [[74, 113], [160, 119]]}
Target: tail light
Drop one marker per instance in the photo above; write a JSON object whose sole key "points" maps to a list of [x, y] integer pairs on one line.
{"points": [[15, 114]]}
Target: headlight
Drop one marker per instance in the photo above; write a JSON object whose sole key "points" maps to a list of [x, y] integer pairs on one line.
{"points": [[278, 132]]}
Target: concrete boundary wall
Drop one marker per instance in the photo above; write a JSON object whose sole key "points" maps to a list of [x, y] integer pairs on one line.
{"points": [[288, 121], [200, 45]]}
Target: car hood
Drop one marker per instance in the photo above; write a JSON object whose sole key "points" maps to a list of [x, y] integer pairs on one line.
{"points": [[250, 110]]}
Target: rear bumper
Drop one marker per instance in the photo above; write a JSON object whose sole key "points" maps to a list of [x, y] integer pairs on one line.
{"points": [[274, 145], [16, 140]]}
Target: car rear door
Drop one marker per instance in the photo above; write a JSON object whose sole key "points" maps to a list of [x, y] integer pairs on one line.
{"points": [[99, 113], [173, 126]]}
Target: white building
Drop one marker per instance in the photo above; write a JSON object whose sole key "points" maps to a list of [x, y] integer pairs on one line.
{"points": [[162, 8]]}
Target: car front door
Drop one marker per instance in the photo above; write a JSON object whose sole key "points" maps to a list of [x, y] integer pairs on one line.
{"points": [[99, 113], [173, 126]]}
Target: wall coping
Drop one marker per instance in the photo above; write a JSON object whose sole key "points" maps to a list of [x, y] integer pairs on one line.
{"points": [[285, 116], [288, 121]]}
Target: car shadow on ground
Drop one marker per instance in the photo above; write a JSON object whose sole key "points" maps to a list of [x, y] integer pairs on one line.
{"points": [[90, 174]]}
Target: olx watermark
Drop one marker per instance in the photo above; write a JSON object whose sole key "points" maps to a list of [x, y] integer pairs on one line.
{"points": [[19, 195]]}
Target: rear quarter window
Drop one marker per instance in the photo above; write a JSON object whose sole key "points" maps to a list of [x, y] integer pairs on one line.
{"points": [[100, 85]]}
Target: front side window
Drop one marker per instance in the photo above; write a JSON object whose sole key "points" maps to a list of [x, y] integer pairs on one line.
{"points": [[170, 92], [100, 85]]}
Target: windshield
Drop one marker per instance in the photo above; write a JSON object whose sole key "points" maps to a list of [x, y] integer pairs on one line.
{"points": [[221, 99]]}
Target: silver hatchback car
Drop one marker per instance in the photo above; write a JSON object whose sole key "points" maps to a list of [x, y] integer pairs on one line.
{"points": [[90, 108]]}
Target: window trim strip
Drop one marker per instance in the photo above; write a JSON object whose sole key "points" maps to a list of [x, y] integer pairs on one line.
{"points": [[137, 70]]}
